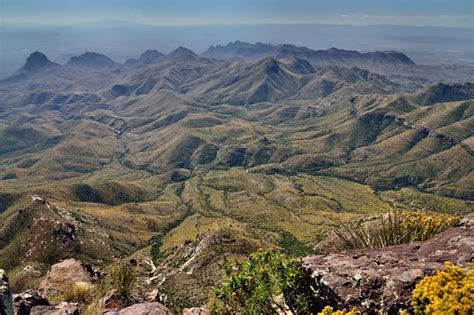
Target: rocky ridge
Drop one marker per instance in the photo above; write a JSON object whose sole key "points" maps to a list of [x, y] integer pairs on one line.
{"points": [[381, 280]]}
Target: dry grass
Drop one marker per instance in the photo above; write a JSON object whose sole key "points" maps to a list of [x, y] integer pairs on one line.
{"points": [[78, 292], [97, 307]]}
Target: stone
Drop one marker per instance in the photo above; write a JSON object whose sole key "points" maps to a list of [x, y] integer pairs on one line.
{"points": [[62, 308], [154, 308], [6, 302], [196, 311], [63, 275], [25, 301], [381, 280], [157, 296]]}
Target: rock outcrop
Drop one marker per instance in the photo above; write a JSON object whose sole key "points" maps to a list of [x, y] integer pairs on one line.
{"points": [[6, 303], [143, 309], [381, 280], [63, 275]]}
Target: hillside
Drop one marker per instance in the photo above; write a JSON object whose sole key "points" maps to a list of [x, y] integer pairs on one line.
{"points": [[245, 146]]}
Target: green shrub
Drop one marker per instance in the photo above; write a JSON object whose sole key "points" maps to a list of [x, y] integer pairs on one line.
{"points": [[449, 291], [265, 283], [394, 228], [292, 246], [122, 279], [117, 289]]}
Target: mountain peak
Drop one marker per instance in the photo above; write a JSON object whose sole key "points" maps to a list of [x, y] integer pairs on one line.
{"points": [[182, 53], [36, 61], [92, 59], [150, 55]]}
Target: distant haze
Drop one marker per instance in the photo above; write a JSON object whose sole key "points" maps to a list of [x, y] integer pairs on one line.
{"points": [[123, 40], [447, 13]]}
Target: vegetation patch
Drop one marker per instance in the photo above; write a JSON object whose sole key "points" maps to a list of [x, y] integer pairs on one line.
{"points": [[292, 246], [267, 283], [6, 200], [394, 228], [449, 291]]}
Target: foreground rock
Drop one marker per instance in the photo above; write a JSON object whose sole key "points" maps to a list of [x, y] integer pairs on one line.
{"points": [[6, 303], [63, 275], [24, 302], [196, 311], [143, 309], [63, 308], [381, 280]]}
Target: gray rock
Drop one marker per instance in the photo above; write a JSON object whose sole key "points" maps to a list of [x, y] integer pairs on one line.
{"points": [[63, 308], [196, 311], [6, 302], [381, 280], [468, 221], [154, 308]]}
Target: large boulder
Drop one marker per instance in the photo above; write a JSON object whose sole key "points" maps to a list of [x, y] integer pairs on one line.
{"points": [[381, 280], [154, 308], [63, 275], [6, 302]]}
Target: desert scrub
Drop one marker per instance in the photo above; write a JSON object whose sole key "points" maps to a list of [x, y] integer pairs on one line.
{"points": [[122, 280], [118, 286], [449, 291], [78, 292], [96, 307], [265, 283], [328, 310], [394, 228]]}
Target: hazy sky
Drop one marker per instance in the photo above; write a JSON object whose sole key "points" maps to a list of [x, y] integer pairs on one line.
{"points": [[450, 13]]}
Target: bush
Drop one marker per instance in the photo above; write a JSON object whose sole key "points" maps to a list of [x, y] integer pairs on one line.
{"points": [[394, 228], [449, 291], [122, 279], [265, 284]]}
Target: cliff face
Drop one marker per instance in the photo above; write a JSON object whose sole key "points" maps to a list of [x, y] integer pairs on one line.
{"points": [[381, 280]]}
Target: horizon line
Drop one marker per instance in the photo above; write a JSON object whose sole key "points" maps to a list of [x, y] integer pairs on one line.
{"points": [[253, 23]]}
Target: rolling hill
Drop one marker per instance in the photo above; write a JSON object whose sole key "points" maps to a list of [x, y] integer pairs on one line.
{"points": [[247, 144]]}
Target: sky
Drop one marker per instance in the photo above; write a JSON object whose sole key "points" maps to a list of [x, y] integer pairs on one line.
{"points": [[444, 13]]}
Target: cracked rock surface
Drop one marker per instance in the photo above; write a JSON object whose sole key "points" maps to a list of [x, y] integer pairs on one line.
{"points": [[381, 280]]}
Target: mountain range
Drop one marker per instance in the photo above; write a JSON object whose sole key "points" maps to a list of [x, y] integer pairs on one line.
{"points": [[241, 147]]}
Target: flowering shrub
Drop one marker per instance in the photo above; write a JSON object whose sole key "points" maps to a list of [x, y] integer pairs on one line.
{"points": [[449, 291], [328, 310]]}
